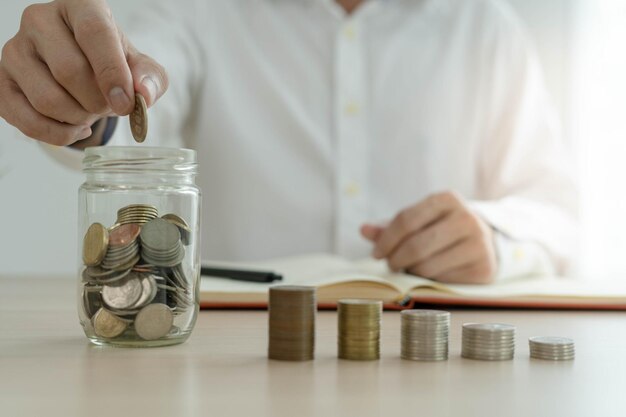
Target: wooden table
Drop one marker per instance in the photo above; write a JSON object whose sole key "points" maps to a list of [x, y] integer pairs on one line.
{"points": [[47, 368]]}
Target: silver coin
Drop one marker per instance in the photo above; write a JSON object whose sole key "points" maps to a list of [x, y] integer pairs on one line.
{"points": [[160, 235], [148, 291], [154, 321], [181, 278], [479, 343], [488, 358], [115, 278], [183, 227], [164, 262], [123, 294], [551, 341], [488, 327], [96, 272], [554, 357], [425, 315], [92, 300]]}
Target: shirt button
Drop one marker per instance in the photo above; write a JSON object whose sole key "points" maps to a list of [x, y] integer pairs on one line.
{"points": [[349, 32], [352, 109], [519, 254], [352, 189]]}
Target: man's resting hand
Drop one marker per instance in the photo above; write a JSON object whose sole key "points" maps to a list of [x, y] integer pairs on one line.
{"points": [[438, 238]]}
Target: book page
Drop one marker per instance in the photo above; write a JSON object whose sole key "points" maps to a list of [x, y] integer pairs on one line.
{"points": [[340, 277], [318, 270], [549, 287], [536, 287]]}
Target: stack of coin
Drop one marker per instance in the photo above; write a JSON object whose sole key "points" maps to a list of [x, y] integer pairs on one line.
{"points": [[488, 341], [136, 214], [425, 335], [292, 322], [134, 279], [123, 250], [161, 243], [552, 348], [359, 329]]}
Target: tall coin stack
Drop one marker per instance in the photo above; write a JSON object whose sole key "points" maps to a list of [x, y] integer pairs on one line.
{"points": [[552, 348], [488, 341], [133, 277], [425, 335], [359, 329], [292, 311]]}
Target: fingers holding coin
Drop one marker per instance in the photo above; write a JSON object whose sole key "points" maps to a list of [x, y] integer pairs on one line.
{"points": [[19, 112], [57, 47]]}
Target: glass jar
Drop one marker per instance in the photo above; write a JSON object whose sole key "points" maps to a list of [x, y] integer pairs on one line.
{"points": [[138, 225]]}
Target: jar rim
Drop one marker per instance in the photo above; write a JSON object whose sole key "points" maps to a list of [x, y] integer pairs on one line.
{"points": [[140, 158]]}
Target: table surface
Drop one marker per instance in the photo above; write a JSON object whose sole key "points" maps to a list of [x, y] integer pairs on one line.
{"points": [[47, 367]]}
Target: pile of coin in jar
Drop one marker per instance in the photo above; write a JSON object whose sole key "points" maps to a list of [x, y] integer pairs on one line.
{"points": [[133, 281]]}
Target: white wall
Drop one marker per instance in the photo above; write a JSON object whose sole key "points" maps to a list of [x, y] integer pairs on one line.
{"points": [[38, 196]]}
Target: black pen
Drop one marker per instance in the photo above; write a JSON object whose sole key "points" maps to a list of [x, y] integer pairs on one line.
{"points": [[240, 275]]}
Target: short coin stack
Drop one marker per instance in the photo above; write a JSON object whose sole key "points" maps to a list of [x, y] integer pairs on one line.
{"points": [[133, 277], [552, 348], [161, 244], [136, 214], [292, 311], [425, 335], [359, 324], [488, 341]]}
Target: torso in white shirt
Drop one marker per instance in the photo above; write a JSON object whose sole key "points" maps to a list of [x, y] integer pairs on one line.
{"points": [[309, 122]]}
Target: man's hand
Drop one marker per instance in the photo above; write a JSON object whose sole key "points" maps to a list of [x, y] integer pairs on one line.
{"points": [[69, 66], [439, 238]]}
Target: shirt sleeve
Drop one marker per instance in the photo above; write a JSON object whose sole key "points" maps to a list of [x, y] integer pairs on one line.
{"points": [[521, 258], [169, 33], [525, 177]]}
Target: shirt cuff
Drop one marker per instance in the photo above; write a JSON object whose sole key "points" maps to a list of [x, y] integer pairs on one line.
{"points": [[109, 130], [518, 258]]}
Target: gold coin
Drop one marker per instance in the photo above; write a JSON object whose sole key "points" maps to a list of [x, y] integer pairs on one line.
{"points": [[139, 119], [107, 324], [95, 244]]}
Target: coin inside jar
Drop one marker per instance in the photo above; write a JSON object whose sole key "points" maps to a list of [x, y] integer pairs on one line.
{"points": [[107, 324], [95, 244], [148, 292], [124, 293], [160, 235], [183, 227], [124, 235], [154, 321]]}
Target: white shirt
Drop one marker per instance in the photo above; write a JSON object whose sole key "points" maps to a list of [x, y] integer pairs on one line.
{"points": [[309, 122]]}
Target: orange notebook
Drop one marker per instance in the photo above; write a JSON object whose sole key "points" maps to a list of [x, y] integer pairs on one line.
{"points": [[337, 278]]}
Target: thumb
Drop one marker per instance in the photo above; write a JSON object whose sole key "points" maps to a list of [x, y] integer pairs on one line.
{"points": [[149, 77]]}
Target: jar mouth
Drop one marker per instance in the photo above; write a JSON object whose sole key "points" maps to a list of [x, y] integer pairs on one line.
{"points": [[139, 159]]}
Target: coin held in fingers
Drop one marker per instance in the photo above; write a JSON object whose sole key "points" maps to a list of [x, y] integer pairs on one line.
{"points": [[139, 119]]}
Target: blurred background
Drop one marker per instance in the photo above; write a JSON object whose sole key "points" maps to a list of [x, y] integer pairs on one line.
{"points": [[580, 44]]}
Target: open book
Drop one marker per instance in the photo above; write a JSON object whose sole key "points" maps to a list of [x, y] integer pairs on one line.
{"points": [[337, 278]]}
